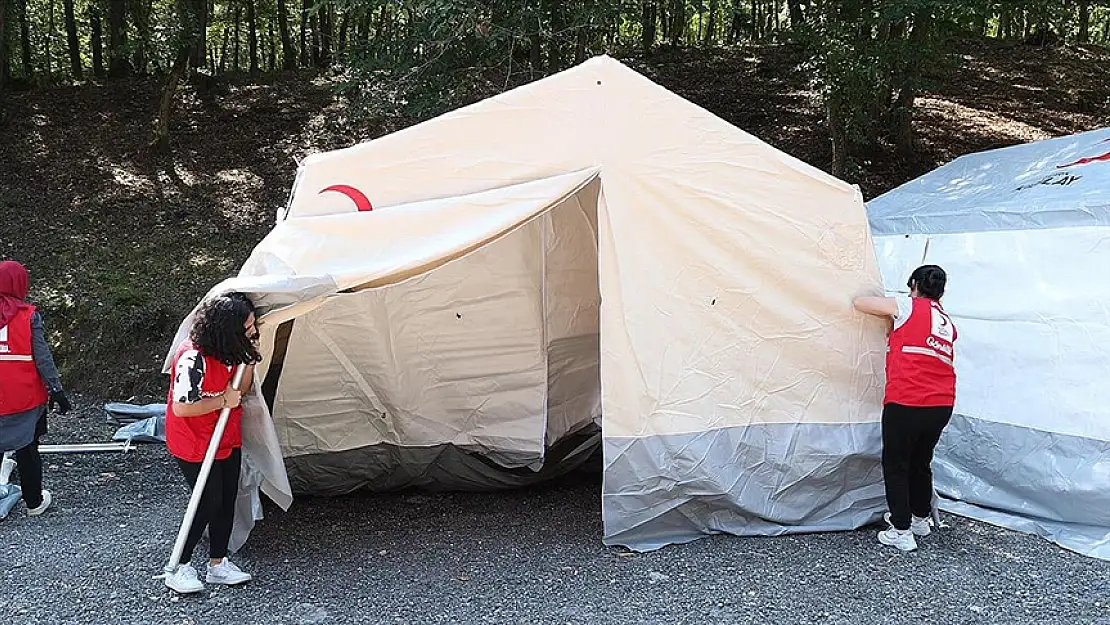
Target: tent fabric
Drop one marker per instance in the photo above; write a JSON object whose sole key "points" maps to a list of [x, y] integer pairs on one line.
{"points": [[493, 319], [1029, 445], [1054, 183], [589, 249]]}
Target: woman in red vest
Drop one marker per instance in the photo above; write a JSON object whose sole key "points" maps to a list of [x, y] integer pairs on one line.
{"points": [[920, 394], [223, 336], [29, 384]]}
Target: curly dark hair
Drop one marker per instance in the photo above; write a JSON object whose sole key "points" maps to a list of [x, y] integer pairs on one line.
{"points": [[218, 330]]}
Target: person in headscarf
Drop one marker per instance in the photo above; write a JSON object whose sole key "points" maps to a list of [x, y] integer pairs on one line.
{"points": [[29, 384]]}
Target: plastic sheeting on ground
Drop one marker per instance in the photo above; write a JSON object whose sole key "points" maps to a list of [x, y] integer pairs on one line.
{"points": [[149, 430], [10, 494]]}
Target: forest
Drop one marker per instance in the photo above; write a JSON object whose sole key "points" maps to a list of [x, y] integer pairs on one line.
{"points": [[425, 56]]}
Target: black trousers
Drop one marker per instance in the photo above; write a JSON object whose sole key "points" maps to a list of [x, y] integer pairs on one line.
{"points": [[30, 474], [217, 505], [909, 437], [29, 462]]}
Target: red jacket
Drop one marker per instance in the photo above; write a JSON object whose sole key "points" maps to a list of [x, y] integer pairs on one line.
{"points": [[919, 362], [21, 387], [194, 377]]}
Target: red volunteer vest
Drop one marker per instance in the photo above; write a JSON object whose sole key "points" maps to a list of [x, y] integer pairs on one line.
{"points": [[21, 387], [187, 437], [919, 361]]}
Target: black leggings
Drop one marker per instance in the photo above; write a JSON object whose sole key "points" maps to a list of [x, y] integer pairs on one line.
{"points": [[909, 437], [30, 474], [217, 505], [30, 464]]}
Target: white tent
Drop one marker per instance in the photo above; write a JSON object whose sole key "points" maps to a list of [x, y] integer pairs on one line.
{"points": [[1024, 233], [464, 303]]}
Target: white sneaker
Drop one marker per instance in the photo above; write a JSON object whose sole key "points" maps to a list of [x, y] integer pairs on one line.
{"points": [[46, 501], [184, 580], [918, 525], [900, 539], [226, 573]]}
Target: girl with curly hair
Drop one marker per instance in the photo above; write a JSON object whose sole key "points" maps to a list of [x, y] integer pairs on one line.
{"points": [[223, 336]]}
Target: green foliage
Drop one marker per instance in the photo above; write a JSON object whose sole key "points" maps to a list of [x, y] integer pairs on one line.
{"points": [[421, 50], [867, 60], [436, 54]]}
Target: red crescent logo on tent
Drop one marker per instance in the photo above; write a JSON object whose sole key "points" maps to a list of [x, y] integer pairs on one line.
{"points": [[1089, 159], [362, 203]]}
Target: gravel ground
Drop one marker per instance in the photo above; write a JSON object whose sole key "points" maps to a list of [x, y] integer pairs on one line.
{"points": [[522, 557]]}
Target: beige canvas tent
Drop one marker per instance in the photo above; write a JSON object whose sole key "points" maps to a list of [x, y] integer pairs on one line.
{"points": [[466, 303]]}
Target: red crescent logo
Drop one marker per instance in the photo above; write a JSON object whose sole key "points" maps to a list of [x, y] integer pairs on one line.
{"points": [[1089, 159], [362, 203]]}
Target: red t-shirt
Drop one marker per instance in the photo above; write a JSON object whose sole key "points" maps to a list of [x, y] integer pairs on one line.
{"points": [[920, 356], [195, 377]]}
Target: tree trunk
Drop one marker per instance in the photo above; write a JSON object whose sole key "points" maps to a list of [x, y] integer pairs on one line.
{"points": [[180, 68], [797, 17], [25, 39], [252, 36], [194, 18], [5, 50], [96, 41], [142, 9], [341, 45], [557, 18], [678, 21], [647, 25], [1085, 21], [315, 24], [756, 19], [48, 40], [365, 21], [71, 40], [664, 20], [737, 27], [201, 11], [379, 32], [238, 38], [980, 25], [223, 50], [535, 53], [711, 26], [903, 108], [304, 33], [838, 134], [118, 63], [327, 30], [271, 38], [288, 54]]}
